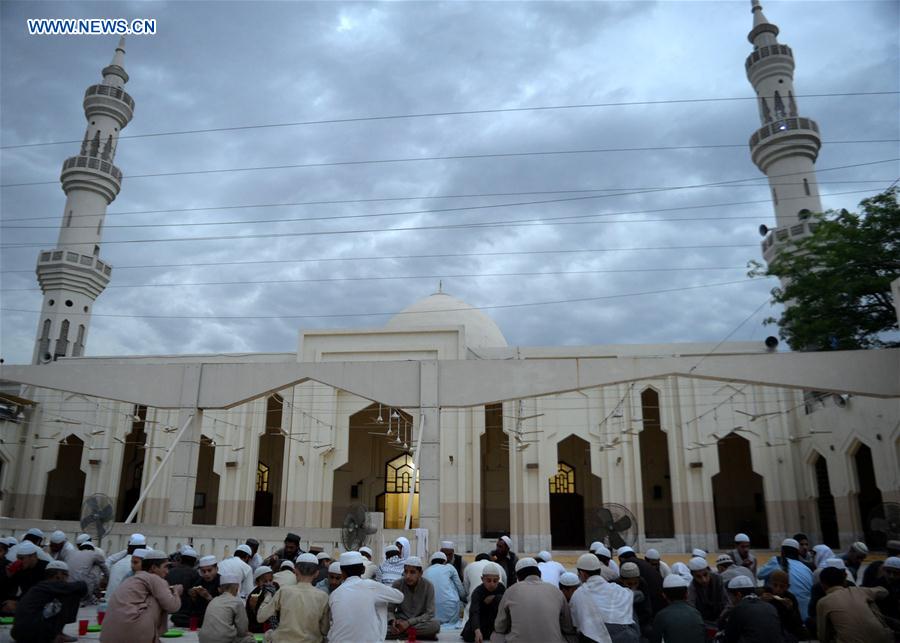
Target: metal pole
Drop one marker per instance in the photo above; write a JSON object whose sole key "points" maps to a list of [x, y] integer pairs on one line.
{"points": [[415, 467], [161, 466]]}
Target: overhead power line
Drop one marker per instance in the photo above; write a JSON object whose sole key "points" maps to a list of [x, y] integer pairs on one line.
{"points": [[498, 110], [451, 157], [393, 313]]}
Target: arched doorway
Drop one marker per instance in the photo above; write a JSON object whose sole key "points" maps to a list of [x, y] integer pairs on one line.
{"points": [[206, 496], [65, 483], [869, 495], [738, 497], [132, 473], [494, 474], [825, 503], [398, 484], [659, 518], [575, 493], [269, 466]]}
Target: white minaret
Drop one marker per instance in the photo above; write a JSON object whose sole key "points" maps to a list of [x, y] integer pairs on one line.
{"points": [[785, 148], [72, 275]]}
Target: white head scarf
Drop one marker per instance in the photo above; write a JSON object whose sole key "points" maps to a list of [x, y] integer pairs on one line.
{"points": [[405, 551], [823, 553]]}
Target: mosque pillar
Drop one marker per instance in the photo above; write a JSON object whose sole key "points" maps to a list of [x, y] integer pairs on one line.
{"points": [[429, 452], [183, 466]]}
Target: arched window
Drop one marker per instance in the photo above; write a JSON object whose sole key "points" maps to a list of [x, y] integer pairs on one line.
{"points": [[62, 344], [564, 480], [262, 477], [398, 482]]}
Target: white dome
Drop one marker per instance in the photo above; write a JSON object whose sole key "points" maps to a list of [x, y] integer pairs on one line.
{"points": [[441, 309]]}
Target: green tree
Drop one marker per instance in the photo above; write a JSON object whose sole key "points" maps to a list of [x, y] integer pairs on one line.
{"points": [[836, 282]]}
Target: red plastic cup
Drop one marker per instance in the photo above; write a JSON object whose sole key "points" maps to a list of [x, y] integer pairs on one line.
{"points": [[82, 627], [195, 623], [411, 634], [100, 616]]}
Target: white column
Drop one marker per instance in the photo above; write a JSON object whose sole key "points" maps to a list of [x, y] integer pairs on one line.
{"points": [[430, 453]]}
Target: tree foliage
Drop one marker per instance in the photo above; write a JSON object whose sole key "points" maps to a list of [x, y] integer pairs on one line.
{"points": [[835, 284]]}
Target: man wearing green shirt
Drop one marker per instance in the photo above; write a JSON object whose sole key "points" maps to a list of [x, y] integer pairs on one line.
{"points": [[678, 621]]}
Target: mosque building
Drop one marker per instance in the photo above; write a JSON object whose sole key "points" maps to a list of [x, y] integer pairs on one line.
{"points": [[439, 424]]}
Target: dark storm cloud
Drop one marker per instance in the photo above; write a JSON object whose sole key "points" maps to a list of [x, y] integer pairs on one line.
{"points": [[224, 64]]}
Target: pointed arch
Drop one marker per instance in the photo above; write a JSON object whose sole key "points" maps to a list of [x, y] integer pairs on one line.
{"points": [[271, 459], [656, 479], [868, 495], [65, 483], [738, 498], [132, 473], [828, 526], [206, 495]]}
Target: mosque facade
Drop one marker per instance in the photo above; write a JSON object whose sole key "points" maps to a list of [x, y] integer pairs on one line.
{"points": [[673, 461]]}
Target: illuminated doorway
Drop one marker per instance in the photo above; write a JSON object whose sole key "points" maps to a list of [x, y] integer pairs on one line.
{"points": [[398, 483]]}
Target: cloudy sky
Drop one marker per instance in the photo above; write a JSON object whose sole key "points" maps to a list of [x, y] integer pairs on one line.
{"points": [[337, 244]]}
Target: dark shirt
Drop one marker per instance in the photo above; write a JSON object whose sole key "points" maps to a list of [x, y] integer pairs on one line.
{"points": [[680, 623], [481, 614], [653, 579], [753, 621], [710, 599], [870, 577], [198, 603], [509, 564], [45, 609], [187, 577], [23, 579], [789, 616], [260, 594]]}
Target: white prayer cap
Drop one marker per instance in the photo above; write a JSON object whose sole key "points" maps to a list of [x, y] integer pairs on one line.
{"points": [[522, 563], [286, 564], [262, 569], [207, 561], [742, 538], [859, 548], [699, 553], [188, 551], [724, 559], [140, 553], [447, 544], [491, 569], [595, 546], [366, 550], [323, 556], [412, 561], [306, 558], [892, 562], [837, 563], [137, 539], [588, 562], [696, 564], [11, 540], [391, 548], [82, 538], [624, 550], [790, 542], [603, 550], [674, 580], [57, 537], [349, 558], [34, 531], [26, 548], [629, 570], [740, 582], [334, 568], [244, 548], [439, 555], [569, 579], [155, 554], [652, 554], [507, 540], [57, 564], [229, 579], [545, 556]]}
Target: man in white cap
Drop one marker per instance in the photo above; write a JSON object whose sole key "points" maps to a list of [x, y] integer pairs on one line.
{"points": [[333, 580], [238, 564], [801, 578], [532, 610], [506, 558], [453, 559], [264, 590], [750, 619], [845, 613], [206, 589], [391, 569], [855, 557], [88, 565], [741, 554], [135, 541], [302, 610], [678, 621], [184, 573], [43, 612], [34, 536], [551, 570], [473, 577], [126, 563], [889, 579], [226, 619], [371, 567], [601, 610], [610, 570], [485, 601], [449, 593], [652, 556], [568, 583], [325, 560], [358, 606], [652, 585], [706, 592], [417, 607], [26, 572], [728, 570], [286, 574], [60, 547]]}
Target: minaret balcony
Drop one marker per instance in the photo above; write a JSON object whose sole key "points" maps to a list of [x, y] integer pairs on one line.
{"points": [[91, 173], [794, 136], [760, 53], [110, 101], [778, 238], [65, 269]]}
